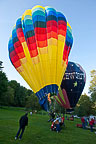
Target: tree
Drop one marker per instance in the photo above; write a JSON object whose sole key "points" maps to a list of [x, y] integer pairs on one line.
{"points": [[84, 106], [92, 87], [3, 86], [55, 106], [59, 108], [93, 97], [9, 97], [13, 84], [32, 102], [20, 93], [29, 92], [1, 65]]}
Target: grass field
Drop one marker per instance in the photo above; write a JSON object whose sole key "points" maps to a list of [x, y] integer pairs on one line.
{"points": [[38, 130]]}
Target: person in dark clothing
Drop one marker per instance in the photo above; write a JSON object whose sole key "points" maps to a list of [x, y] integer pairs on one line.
{"points": [[22, 123]]}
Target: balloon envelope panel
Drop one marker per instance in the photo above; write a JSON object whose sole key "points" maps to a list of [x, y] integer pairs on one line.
{"points": [[39, 47], [73, 82]]}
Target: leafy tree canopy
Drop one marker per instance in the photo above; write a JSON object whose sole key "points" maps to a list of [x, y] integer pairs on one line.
{"points": [[84, 106], [3, 85], [1, 65], [92, 87]]}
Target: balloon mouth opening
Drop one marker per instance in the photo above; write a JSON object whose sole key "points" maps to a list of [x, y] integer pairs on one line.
{"points": [[45, 94]]}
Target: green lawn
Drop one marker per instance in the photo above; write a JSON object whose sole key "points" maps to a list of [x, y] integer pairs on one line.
{"points": [[38, 130]]}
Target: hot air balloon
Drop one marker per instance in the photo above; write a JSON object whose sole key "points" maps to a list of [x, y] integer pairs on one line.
{"points": [[72, 85], [38, 49]]}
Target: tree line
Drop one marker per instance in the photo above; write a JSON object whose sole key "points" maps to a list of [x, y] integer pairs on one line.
{"points": [[13, 94]]}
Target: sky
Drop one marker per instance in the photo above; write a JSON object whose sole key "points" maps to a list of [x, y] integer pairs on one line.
{"points": [[81, 14]]}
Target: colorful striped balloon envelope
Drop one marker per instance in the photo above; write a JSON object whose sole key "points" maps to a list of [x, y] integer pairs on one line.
{"points": [[39, 47]]}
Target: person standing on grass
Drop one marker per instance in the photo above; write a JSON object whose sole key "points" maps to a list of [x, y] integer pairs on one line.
{"points": [[83, 122], [91, 123], [23, 122]]}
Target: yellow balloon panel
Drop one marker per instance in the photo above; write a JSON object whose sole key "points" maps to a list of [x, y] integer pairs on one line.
{"points": [[39, 48]]}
